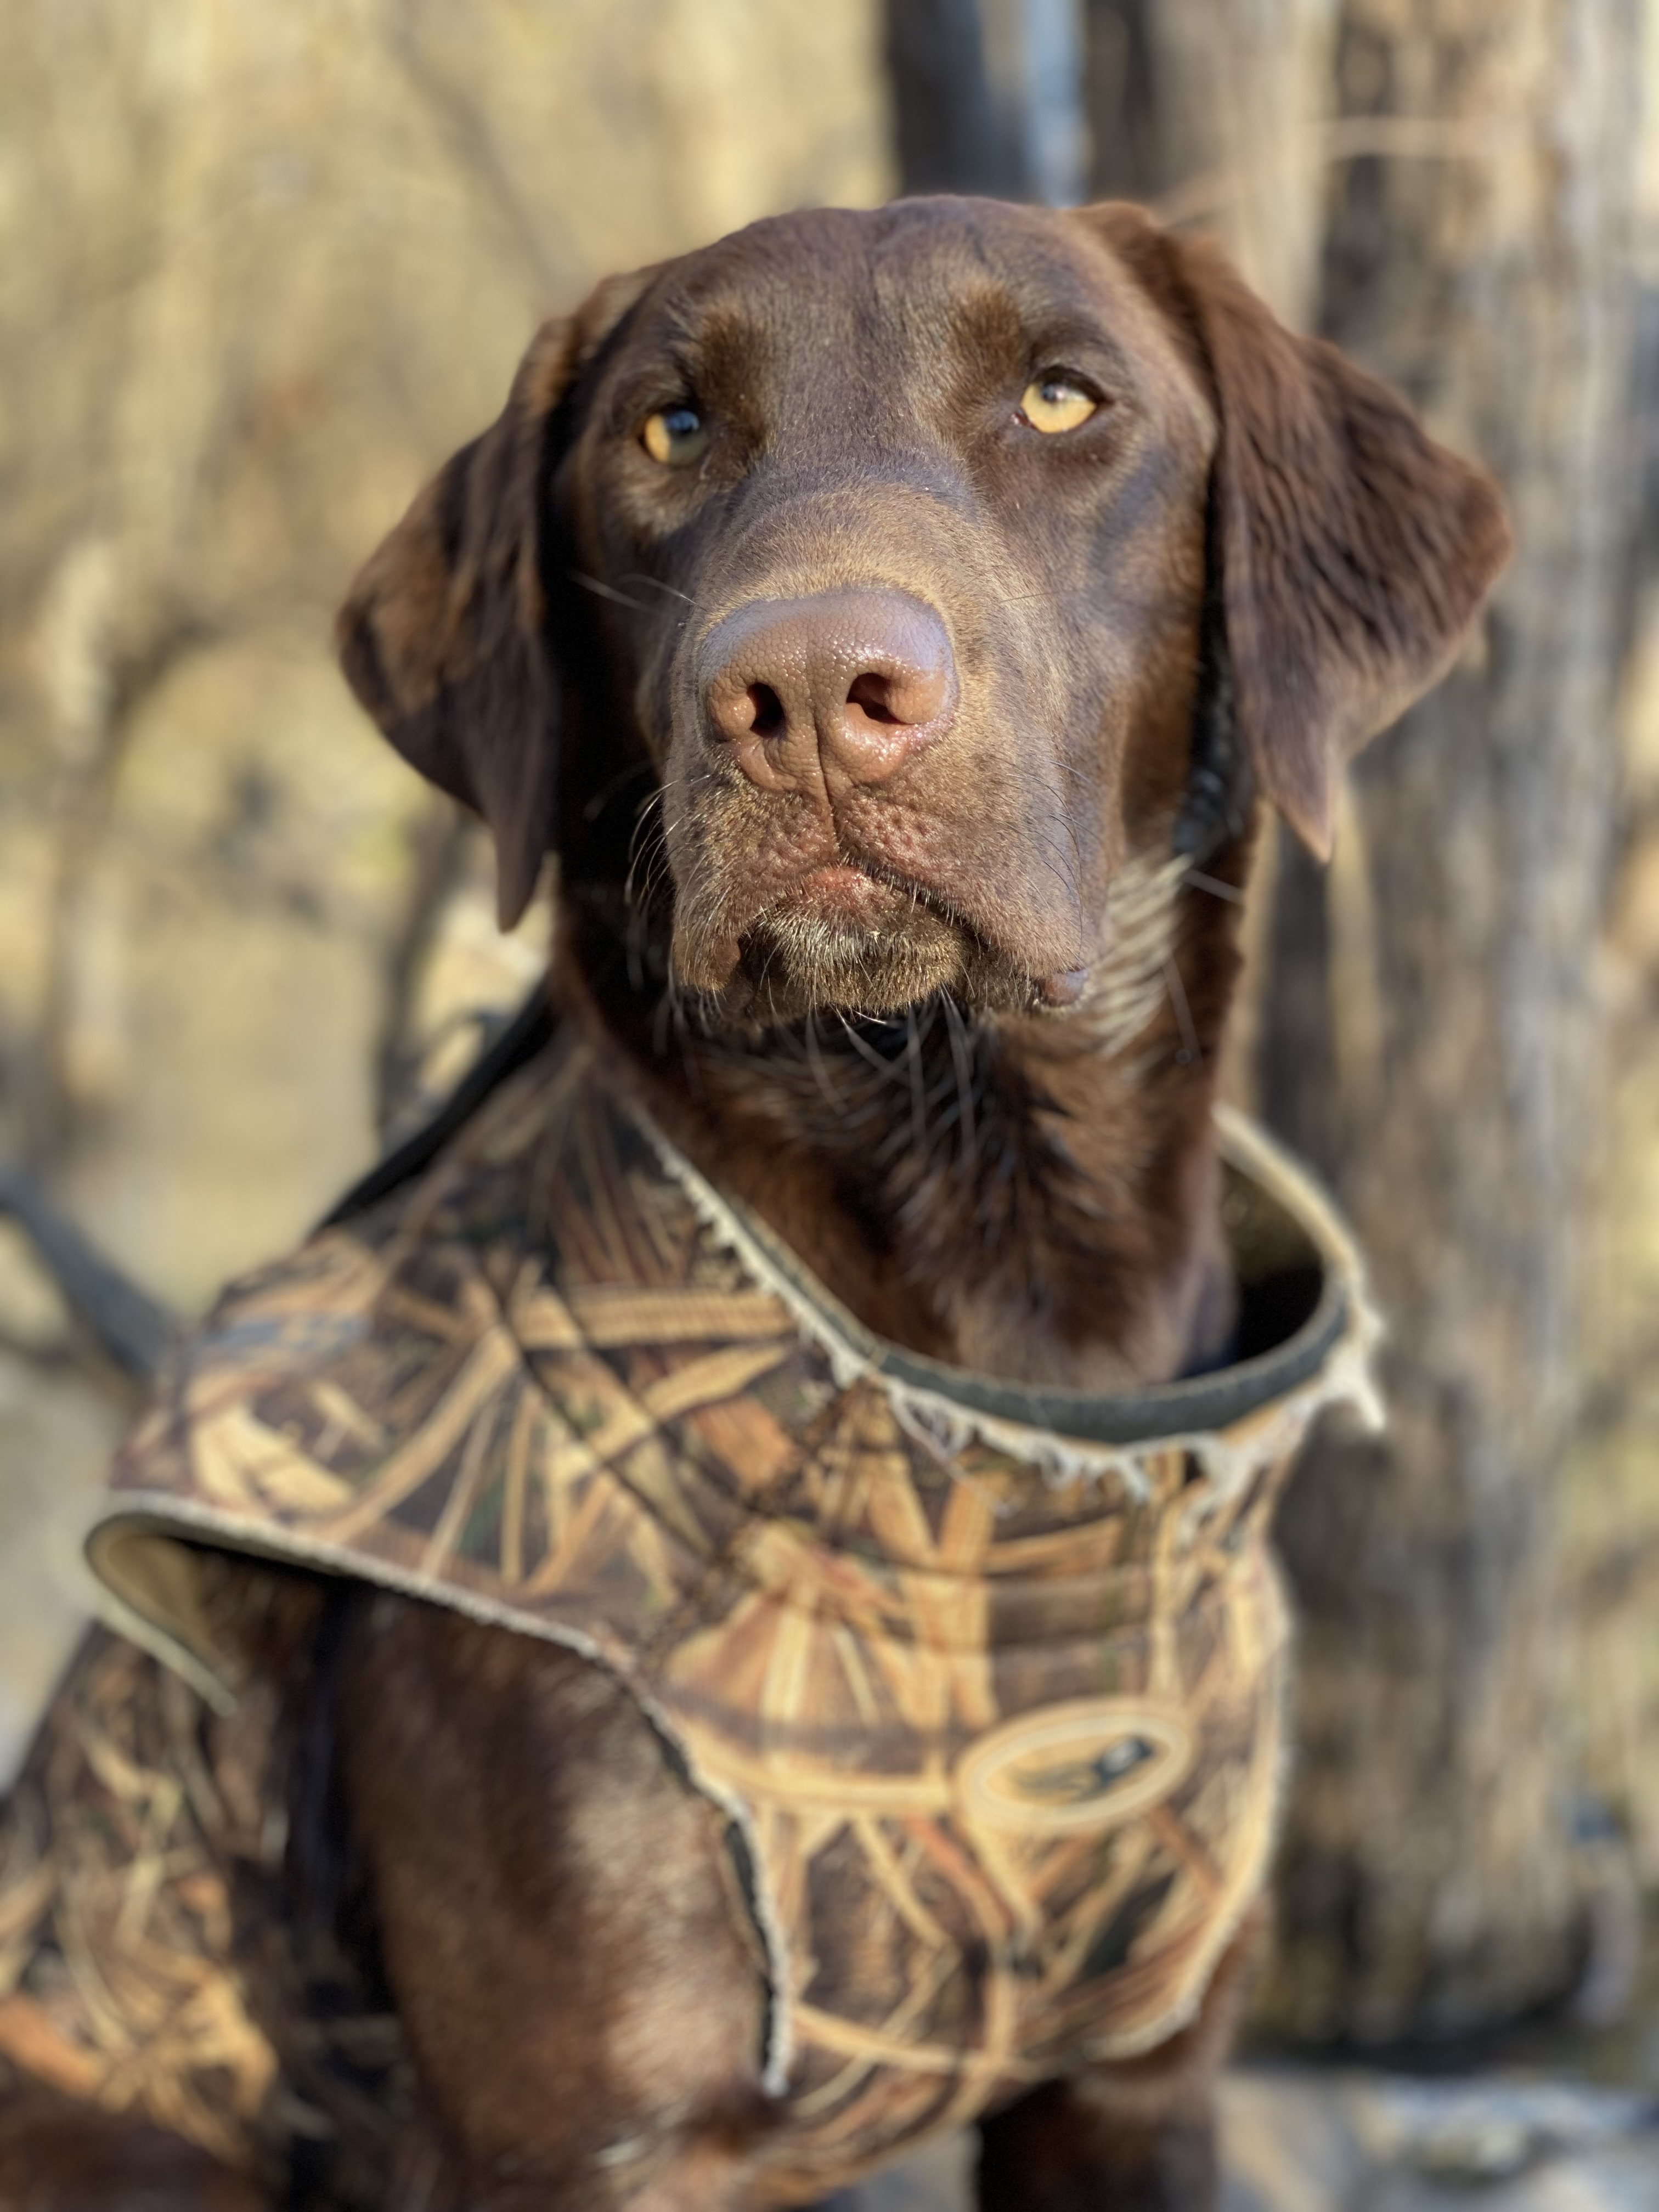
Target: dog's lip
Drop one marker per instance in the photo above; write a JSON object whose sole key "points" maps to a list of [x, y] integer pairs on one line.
{"points": [[863, 894], [849, 895], [860, 892], [851, 891], [868, 892]]}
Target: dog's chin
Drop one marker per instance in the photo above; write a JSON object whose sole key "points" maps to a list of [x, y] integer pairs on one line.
{"points": [[797, 962], [792, 965], [843, 941]]}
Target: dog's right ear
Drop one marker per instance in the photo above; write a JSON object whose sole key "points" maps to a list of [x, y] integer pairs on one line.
{"points": [[1355, 552], [444, 635]]}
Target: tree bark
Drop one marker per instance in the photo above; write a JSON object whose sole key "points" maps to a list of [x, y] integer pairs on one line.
{"points": [[1425, 1012], [1209, 114], [1429, 1034], [949, 134], [989, 97]]}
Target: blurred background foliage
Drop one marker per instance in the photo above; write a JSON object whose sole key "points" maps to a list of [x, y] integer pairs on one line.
{"points": [[262, 268]]}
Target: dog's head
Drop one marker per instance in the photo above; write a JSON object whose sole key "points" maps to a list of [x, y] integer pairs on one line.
{"points": [[905, 553]]}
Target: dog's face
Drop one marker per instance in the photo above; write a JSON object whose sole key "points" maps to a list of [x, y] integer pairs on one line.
{"points": [[916, 547], [887, 541]]}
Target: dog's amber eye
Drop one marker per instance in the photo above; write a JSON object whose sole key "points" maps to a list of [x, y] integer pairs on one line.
{"points": [[1054, 402], [675, 436]]}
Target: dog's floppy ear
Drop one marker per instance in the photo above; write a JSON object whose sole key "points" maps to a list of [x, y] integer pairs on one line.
{"points": [[444, 635], [1355, 552]]}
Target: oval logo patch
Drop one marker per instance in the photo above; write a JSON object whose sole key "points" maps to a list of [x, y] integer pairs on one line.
{"points": [[1089, 1764]]}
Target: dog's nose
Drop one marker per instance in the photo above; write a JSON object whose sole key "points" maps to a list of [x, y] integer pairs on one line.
{"points": [[846, 684]]}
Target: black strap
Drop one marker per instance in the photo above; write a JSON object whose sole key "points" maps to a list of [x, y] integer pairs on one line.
{"points": [[133, 1328], [1217, 804], [529, 1032]]}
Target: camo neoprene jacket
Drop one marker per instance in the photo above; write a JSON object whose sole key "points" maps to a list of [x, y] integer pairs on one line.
{"points": [[986, 1682]]}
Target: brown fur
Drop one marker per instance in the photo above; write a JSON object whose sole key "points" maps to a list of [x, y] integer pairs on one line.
{"points": [[924, 1076]]}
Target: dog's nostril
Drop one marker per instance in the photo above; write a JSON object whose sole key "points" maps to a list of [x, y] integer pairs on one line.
{"points": [[872, 695], [767, 716]]}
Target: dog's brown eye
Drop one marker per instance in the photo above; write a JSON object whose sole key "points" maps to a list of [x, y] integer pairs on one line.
{"points": [[675, 436], [1054, 403]]}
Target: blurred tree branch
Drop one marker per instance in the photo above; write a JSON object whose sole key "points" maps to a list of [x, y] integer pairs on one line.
{"points": [[466, 130]]}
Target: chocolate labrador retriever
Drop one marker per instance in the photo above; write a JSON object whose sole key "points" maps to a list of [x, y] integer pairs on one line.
{"points": [[894, 624]]}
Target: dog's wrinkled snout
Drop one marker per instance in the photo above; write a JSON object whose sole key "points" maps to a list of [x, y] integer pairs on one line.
{"points": [[844, 686]]}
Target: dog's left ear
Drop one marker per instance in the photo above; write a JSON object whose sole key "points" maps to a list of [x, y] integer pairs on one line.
{"points": [[444, 635], [1355, 552]]}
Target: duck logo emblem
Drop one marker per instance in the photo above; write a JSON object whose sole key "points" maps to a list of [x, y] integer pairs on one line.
{"points": [[1089, 1764]]}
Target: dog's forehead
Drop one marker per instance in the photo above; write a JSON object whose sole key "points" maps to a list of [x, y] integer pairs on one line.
{"points": [[930, 285]]}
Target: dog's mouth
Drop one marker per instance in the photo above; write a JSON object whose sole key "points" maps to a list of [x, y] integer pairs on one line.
{"points": [[856, 938], [851, 895], [847, 937], [869, 902]]}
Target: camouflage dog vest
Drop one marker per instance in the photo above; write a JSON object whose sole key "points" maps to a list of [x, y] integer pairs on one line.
{"points": [[985, 1681]]}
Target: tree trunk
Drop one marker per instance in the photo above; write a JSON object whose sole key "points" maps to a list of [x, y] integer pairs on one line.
{"points": [[988, 97], [1209, 114], [1429, 1032], [1424, 1013]]}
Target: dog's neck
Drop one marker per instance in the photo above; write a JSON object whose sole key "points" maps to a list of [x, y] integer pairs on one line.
{"points": [[1034, 1195]]}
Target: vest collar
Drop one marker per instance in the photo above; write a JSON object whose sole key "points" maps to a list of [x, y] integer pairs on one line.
{"points": [[1306, 1318]]}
